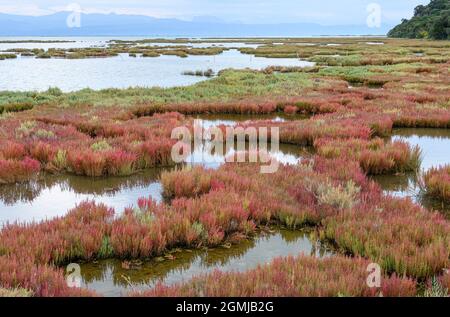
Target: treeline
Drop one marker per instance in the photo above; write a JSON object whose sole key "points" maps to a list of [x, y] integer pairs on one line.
{"points": [[431, 21]]}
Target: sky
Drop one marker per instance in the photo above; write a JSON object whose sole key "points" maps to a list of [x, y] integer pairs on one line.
{"points": [[325, 12]]}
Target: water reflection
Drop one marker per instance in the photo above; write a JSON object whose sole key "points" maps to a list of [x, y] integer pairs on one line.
{"points": [[67, 43], [110, 278], [434, 143], [122, 71], [7, 43], [406, 185], [205, 154], [214, 120], [435, 146], [54, 195], [51, 196], [400, 185]]}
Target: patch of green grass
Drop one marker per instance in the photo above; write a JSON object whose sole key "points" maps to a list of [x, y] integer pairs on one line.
{"points": [[363, 73], [7, 56], [18, 292], [228, 85], [101, 146]]}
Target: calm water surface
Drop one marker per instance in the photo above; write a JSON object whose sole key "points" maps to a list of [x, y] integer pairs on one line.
{"points": [[76, 42], [51, 196], [109, 277], [434, 143], [85, 42], [435, 146], [211, 120], [122, 71]]}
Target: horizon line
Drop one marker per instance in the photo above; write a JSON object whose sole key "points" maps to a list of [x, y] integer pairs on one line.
{"points": [[219, 20]]}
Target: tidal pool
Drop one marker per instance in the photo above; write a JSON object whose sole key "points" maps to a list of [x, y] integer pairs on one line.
{"points": [[434, 143], [206, 155], [214, 120], [406, 185], [435, 146], [115, 278], [51, 196]]}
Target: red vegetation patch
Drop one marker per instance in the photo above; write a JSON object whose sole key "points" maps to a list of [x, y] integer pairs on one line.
{"points": [[400, 236], [209, 207], [91, 147], [375, 156], [29, 253], [12, 171], [437, 182], [395, 233], [445, 280], [41, 280], [290, 277]]}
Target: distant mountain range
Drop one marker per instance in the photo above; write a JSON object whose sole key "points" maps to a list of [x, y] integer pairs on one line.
{"points": [[136, 25]]}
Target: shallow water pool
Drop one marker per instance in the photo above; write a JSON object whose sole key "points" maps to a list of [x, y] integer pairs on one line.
{"points": [[110, 278]]}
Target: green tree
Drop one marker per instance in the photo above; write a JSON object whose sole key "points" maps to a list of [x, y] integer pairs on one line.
{"points": [[430, 21], [439, 29]]}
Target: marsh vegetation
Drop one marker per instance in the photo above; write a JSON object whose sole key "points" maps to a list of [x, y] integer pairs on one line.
{"points": [[354, 123]]}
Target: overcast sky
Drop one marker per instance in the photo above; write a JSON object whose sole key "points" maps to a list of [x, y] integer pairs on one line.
{"points": [[327, 12]]}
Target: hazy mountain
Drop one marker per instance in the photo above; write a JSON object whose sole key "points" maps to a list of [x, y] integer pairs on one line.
{"points": [[134, 25]]}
